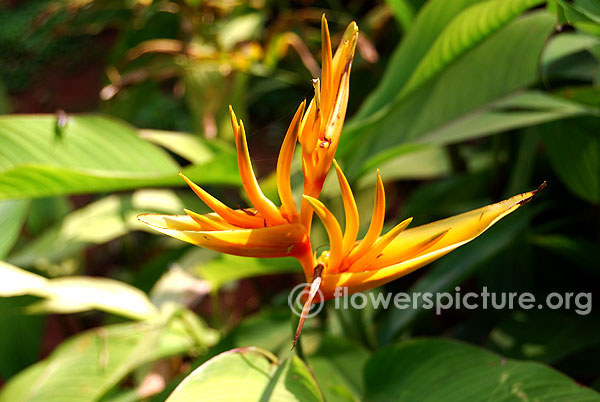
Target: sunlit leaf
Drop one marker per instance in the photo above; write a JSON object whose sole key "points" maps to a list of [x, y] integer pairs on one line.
{"points": [[464, 32], [431, 20], [219, 269], [192, 147], [87, 366], [39, 157], [502, 64], [249, 374], [74, 294], [96, 223]]}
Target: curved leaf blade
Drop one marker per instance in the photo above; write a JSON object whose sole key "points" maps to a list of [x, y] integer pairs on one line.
{"points": [[248, 374], [89, 153], [76, 293], [464, 32], [444, 370]]}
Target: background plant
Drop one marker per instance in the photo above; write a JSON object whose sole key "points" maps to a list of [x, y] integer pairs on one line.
{"points": [[460, 103]]}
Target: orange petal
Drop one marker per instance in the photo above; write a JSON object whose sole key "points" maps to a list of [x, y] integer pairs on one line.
{"points": [[286, 240], [262, 204], [284, 164], [235, 217], [350, 210], [375, 227], [333, 231]]}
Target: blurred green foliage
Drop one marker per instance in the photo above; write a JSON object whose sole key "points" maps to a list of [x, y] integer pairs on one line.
{"points": [[460, 103]]}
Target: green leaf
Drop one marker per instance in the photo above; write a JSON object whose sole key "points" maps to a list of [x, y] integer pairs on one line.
{"points": [[431, 20], [12, 217], [74, 294], [578, 250], [87, 154], [249, 374], [88, 365], [21, 337], [566, 44], [588, 9], [497, 67], [406, 162], [545, 336], [192, 147], [96, 223], [519, 110], [574, 150], [269, 329], [403, 11], [239, 29], [219, 269], [443, 370], [46, 212], [338, 366], [464, 32]]}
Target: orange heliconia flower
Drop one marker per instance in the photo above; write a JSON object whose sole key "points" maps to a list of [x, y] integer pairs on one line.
{"points": [[270, 231]]}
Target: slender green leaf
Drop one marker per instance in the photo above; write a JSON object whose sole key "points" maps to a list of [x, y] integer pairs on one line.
{"points": [[566, 44], [416, 160]]}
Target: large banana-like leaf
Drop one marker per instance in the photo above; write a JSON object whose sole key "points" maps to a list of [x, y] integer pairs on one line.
{"points": [[44, 155]]}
